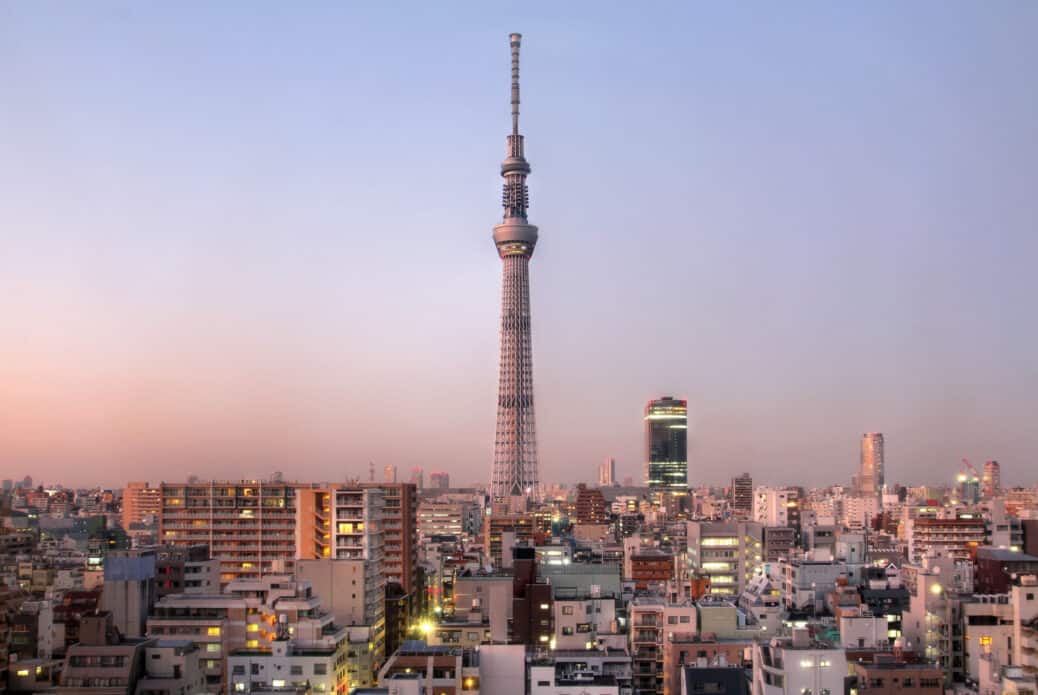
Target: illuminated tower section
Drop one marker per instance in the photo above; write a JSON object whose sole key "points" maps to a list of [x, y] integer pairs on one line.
{"points": [[515, 471], [666, 444]]}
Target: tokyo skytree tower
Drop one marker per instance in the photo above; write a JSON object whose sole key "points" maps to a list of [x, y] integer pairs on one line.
{"points": [[515, 444]]}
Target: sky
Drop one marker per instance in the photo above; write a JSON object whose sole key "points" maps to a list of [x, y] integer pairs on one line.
{"points": [[246, 237]]}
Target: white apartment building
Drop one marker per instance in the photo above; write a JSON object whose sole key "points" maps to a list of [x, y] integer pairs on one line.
{"points": [[798, 666]]}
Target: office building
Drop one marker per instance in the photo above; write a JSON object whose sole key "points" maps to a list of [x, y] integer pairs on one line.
{"points": [[727, 553], [607, 473], [871, 473], [439, 480], [666, 445], [991, 480], [389, 474]]}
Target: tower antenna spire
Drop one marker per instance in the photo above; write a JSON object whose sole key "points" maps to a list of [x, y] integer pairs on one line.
{"points": [[515, 40]]}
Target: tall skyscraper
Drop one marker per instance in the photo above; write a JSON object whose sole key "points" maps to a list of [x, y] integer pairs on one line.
{"points": [[991, 480], [515, 471], [742, 496], [607, 473], [871, 476], [439, 480], [418, 477], [389, 474], [666, 444]]}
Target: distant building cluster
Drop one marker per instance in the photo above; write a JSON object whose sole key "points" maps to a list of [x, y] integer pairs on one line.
{"points": [[277, 586]]}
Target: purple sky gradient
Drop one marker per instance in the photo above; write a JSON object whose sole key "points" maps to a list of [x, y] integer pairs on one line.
{"points": [[256, 236]]}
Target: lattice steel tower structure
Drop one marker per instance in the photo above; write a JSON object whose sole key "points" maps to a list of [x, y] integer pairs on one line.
{"points": [[515, 471]]}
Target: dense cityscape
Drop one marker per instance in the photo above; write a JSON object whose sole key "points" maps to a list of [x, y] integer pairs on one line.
{"points": [[398, 581]]}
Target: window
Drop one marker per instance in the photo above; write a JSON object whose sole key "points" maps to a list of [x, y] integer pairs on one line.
{"points": [[296, 670], [684, 619], [254, 669], [238, 670], [212, 647], [908, 683], [567, 610], [320, 669], [543, 684], [929, 683], [672, 620], [213, 632]]}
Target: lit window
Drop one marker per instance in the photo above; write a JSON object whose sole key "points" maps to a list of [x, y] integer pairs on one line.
{"points": [[213, 631]]}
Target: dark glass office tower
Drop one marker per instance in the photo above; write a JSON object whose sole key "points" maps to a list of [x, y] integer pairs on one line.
{"points": [[666, 444]]}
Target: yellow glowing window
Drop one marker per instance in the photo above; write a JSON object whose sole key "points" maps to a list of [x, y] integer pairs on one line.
{"points": [[717, 565], [724, 542], [985, 640], [252, 643], [252, 627], [213, 632], [246, 565], [212, 648], [22, 672], [345, 527]]}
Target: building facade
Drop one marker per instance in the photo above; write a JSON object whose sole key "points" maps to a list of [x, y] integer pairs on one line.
{"points": [[666, 445]]}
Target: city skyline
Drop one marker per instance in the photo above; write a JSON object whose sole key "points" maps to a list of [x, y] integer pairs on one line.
{"points": [[217, 270]]}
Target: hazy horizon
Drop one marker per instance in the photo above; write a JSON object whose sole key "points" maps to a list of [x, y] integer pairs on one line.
{"points": [[256, 237]]}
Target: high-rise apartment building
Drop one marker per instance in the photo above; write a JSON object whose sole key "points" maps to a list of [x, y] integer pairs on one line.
{"points": [[400, 533], [439, 480], [590, 506], [389, 474], [871, 474], [741, 496], [418, 477], [666, 444], [515, 472], [991, 481], [607, 473], [140, 501], [249, 525]]}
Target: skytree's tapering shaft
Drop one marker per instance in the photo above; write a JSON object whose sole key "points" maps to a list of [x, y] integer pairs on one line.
{"points": [[515, 446]]}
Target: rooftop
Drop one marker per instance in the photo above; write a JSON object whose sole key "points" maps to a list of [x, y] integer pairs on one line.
{"points": [[1003, 555]]}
